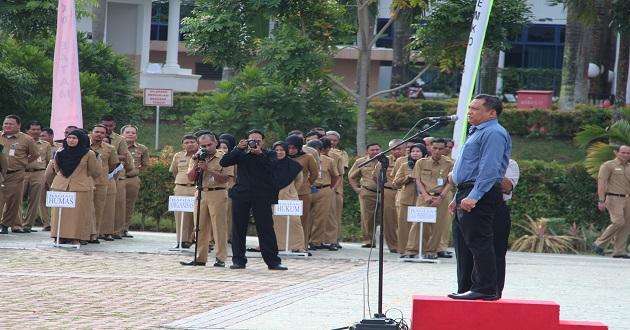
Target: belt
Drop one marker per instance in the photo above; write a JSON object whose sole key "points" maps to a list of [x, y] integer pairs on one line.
{"points": [[120, 179], [324, 186], [186, 184], [470, 184], [133, 176], [212, 189], [34, 170], [618, 195], [366, 188], [390, 188], [11, 172]]}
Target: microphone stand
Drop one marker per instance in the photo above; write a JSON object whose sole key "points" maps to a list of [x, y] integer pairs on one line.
{"points": [[199, 184], [379, 321]]}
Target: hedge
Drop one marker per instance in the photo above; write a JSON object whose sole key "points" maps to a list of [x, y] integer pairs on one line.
{"points": [[395, 114]]}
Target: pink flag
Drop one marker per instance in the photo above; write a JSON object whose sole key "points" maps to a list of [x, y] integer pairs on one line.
{"points": [[66, 98]]}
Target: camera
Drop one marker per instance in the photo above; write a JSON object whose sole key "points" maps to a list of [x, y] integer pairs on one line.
{"points": [[202, 155], [252, 144]]}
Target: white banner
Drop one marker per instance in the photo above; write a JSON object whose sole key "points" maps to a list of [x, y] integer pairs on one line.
{"points": [[61, 199], [181, 203], [421, 214], [288, 207], [471, 68]]}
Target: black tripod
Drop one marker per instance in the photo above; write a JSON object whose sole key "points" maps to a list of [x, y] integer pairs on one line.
{"points": [[199, 184], [379, 321]]}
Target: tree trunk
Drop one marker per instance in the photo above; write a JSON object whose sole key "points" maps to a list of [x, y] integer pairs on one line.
{"points": [[581, 73], [400, 59], [488, 72], [622, 69], [98, 21], [572, 40], [365, 35], [601, 46]]}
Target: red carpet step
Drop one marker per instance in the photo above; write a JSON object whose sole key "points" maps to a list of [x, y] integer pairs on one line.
{"points": [[443, 313]]}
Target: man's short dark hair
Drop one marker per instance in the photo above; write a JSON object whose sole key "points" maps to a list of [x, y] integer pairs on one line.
{"points": [[438, 140], [16, 117], [315, 144], [491, 102], [372, 144], [252, 131], [100, 126], [296, 132], [325, 143], [34, 123], [49, 131], [313, 133], [189, 137], [108, 118]]}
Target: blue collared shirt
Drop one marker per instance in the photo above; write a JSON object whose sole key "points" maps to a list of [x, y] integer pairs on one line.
{"points": [[484, 157]]}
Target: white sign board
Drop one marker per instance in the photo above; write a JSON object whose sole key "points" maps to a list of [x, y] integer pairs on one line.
{"points": [[61, 199], [181, 203], [288, 207], [158, 97], [421, 214]]}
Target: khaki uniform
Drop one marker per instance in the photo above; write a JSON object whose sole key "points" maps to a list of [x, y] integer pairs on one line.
{"points": [[183, 187], [35, 183], [338, 200], [390, 217], [20, 149], [213, 211], [109, 159], [296, 233], [44, 212], [433, 175], [617, 176], [324, 223], [310, 171], [4, 164], [406, 196], [74, 222], [367, 196], [121, 195], [140, 154]]}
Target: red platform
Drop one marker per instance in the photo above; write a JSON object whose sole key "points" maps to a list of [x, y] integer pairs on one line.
{"points": [[443, 313]]}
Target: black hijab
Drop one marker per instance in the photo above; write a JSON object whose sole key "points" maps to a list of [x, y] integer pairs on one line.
{"points": [[284, 170], [228, 139], [68, 158], [412, 162], [296, 141]]}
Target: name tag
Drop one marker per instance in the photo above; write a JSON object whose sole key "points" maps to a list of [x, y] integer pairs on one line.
{"points": [[440, 181], [12, 152]]}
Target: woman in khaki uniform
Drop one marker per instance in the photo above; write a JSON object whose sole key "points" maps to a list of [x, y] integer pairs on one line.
{"points": [[76, 167], [290, 192], [407, 193]]}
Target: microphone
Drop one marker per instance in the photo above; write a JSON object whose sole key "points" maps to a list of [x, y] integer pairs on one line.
{"points": [[443, 118]]}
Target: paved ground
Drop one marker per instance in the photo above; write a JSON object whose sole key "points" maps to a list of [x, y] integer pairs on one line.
{"points": [[138, 283]]}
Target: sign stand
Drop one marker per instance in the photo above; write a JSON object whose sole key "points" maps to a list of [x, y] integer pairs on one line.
{"points": [[61, 200], [157, 97], [289, 208], [181, 204], [421, 215]]}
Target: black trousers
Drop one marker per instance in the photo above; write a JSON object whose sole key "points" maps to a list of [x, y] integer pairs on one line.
{"points": [[264, 226], [474, 240]]}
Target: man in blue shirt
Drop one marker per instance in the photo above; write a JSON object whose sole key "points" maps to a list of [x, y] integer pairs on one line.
{"points": [[478, 173]]}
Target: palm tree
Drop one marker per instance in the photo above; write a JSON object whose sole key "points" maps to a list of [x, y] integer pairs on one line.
{"points": [[599, 141]]}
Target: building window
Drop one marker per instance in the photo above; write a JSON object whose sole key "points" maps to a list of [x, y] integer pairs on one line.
{"points": [[208, 72], [387, 39], [159, 18], [539, 46]]}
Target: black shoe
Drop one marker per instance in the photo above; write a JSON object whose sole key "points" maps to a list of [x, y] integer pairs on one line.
{"points": [[126, 235], [94, 241], [444, 254], [237, 266], [472, 295], [186, 245], [313, 247], [403, 256], [597, 250], [252, 250], [277, 267], [192, 263], [108, 238], [622, 256], [47, 228], [82, 242], [4, 229], [116, 236], [18, 231], [393, 251], [368, 245], [332, 247], [429, 257], [219, 263], [29, 230], [412, 256]]}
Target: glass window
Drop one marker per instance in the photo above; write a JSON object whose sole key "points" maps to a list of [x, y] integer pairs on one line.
{"points": [[514, 57], [540, 56], [540, 34]]}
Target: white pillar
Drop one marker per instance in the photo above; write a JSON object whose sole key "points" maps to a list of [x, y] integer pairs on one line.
{"points": [[144, 34], [172, 44]]}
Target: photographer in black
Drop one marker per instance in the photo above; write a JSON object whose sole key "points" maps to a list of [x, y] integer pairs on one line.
{"points": [[259, 179]]}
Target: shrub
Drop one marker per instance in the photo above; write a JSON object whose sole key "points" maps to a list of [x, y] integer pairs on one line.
{"points": [[394, 114], [157, 185]]}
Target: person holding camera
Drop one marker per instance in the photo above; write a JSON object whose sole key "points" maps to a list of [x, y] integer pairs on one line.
{"points": [[254, 191], [205, 167]]}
